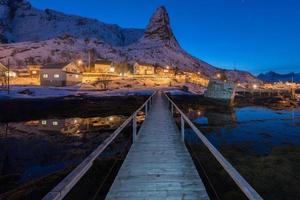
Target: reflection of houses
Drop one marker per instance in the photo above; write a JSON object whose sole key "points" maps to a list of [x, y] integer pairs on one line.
{"points": [[143, 69], [61, 74], [77, 126]]}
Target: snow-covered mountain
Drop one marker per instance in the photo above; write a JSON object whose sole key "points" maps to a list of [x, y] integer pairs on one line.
{"points": [[49, 36], [20, 22], [275, 77]]}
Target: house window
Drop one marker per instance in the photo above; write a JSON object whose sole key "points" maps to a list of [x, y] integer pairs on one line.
{"points": [[44, 122], [34, 72], [55, 123], [56, 75], [45, 75]]}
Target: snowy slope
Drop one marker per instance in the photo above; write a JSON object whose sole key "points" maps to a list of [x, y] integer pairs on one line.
{"points": [[50, 36], [25, 23]]}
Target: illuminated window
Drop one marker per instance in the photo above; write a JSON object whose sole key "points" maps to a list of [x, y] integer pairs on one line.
{"points": [[44, 122], [56, 75], [76, 76], [55, 123], [45, 75], [112, 69], [34, 72]]}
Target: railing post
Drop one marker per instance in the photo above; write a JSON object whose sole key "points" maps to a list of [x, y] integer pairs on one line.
{"points": [[134, 127], [182, 127], [146, 109]]}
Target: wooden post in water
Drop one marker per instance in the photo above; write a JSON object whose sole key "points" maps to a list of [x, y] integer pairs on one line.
{"points": [[182, 127], [134, 128]]}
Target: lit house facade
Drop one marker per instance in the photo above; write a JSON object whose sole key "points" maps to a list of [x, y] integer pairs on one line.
{"points": [[143, 69], [61, 74], [103, 66], [3, 71]]}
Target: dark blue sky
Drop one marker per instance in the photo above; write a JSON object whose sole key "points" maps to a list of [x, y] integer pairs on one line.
{"points": [[253, 35]]}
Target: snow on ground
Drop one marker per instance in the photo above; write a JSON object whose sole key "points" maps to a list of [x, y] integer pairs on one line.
{"points": [[50, 92]]}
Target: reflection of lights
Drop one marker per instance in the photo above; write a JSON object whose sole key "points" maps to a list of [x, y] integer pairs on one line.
{"points": [[111, 118], [55, 123]]}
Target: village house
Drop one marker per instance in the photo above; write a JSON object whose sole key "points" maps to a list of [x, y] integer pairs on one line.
{"points": [[143, 69], [34, 71], [104, 66], [3, 71], [165, 71], [61, 74]]}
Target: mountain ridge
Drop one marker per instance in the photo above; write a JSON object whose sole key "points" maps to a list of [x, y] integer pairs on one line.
{"points": [[277, 77], [157, 45]]}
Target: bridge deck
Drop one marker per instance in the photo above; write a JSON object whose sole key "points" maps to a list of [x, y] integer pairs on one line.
{"points": [[158, 165]]}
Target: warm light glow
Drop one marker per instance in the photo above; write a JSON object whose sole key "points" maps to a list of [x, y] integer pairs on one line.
{"points": [[239, 84], [219, 75], [111, 118], [199, 112], [112, 69], [254, 86], [79, 62], [199, 73]]}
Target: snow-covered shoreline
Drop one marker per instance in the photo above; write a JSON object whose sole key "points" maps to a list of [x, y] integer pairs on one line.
{"points": [[57, 92]]}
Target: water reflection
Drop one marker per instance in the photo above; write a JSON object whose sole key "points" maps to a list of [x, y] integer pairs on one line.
{"points": [[255, 129], [35, 148]]}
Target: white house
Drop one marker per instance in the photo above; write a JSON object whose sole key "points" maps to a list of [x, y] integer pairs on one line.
{"points": [[61, 74]]}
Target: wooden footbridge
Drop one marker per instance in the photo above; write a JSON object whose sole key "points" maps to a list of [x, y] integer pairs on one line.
{"points": [[158, 165]]}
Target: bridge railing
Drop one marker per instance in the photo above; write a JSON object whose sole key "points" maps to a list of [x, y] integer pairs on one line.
{"points": [[65, 186], [246, 188]]}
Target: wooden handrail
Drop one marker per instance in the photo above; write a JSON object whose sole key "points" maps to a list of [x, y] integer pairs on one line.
{"points": [[246, 188], [65, 186]]}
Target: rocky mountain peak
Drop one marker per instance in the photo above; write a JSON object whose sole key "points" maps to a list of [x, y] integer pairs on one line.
{"points": [[159, 28]]}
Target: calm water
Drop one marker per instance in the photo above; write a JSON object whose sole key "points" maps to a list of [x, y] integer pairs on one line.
{"points": [[258, 129], [32, 149], [261, 143]]}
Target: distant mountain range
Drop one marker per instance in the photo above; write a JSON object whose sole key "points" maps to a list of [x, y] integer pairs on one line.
{"points": [[29, 34], [276, 77]]}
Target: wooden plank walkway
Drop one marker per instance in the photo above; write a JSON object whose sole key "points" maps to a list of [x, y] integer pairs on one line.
{"points": [[158, 165]]}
